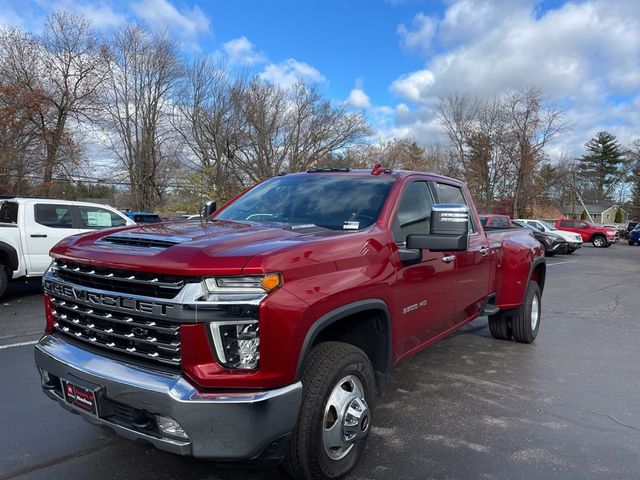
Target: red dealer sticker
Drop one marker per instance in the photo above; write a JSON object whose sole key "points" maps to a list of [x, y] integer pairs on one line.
{"points": [[80, 397]]}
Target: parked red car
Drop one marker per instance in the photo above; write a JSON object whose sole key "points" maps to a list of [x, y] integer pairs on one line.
{"points": [[598, 236], [264, 332]]}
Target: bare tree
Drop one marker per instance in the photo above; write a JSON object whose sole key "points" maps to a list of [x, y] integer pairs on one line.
{"points": [[317, 127], [532, 124], [20, 145], [291, 129], [209, 125], [63, 68], [143, 72], [458, 114]]}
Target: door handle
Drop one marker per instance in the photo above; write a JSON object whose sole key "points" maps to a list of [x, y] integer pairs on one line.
{"points": [[38, 235], [484, 251], [449, 258]]}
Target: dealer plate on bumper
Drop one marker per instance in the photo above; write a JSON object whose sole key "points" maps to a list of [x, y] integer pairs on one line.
{"points": [[81, 397]]}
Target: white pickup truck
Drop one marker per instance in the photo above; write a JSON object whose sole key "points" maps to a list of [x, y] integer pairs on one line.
{"points": [[29, 227]]}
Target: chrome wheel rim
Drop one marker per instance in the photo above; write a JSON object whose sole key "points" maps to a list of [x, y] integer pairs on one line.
{"points": [[535, 312], [599, 242], [346, 418]]}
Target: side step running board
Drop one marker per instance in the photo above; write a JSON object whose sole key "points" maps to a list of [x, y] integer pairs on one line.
{"points": [[490, 307]]}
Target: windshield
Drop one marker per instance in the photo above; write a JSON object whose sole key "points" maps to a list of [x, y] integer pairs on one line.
{"points": [[307, 201], [525, 225], [547, 225]]}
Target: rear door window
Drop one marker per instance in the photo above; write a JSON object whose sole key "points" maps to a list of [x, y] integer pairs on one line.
{"points": [[98, 218], [53, 216], [9, 212]]}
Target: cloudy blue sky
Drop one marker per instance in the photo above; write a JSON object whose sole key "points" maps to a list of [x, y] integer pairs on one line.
{"points": [[392, 59]]}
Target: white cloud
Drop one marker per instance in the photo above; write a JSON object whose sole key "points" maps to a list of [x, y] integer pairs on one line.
{"points": [[420, 38], [414, 85], [240, 51], [101, 16], [358, 98], [585, 54], [291, 71], [162, 14]]}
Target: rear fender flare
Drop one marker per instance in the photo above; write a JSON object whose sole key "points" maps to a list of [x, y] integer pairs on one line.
{"points": [[534, 265]]}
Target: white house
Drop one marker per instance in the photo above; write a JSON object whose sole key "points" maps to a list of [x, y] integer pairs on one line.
{"points": [[599, 213]]}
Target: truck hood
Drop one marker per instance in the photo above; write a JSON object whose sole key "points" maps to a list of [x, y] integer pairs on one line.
{"points": [[181, 248]]}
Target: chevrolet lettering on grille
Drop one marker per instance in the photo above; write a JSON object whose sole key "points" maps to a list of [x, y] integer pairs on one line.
{"points": [[124, 303]]}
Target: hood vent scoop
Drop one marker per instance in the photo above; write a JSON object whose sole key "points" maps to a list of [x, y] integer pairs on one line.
{"points": [[143, 241]]}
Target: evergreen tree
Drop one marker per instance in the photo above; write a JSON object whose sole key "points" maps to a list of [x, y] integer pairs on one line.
{"points": [[601, 166], [584, 215], [618, 218]]}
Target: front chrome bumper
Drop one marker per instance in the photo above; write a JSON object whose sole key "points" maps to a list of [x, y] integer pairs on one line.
{"points": [[229, 426]]}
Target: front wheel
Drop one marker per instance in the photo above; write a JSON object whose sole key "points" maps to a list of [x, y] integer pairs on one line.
{"points": [[526, 321], [599, 242], [570, 251], [335, 413]]}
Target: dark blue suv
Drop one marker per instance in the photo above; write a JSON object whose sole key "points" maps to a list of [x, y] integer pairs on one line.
{"points": [[634, 236]]}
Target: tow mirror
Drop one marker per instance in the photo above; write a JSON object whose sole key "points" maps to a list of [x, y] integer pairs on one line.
{"points": [[208, 208], [449, 230]]}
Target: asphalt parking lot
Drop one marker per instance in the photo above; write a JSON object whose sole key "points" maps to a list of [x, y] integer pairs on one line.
{"points": [[469, 407]]}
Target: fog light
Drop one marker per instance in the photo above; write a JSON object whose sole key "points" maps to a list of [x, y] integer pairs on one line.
{"points": [[169, 426], [237, 344]]}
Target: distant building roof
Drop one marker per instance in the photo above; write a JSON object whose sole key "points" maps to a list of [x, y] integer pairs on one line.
{"points": [[591, 208]]}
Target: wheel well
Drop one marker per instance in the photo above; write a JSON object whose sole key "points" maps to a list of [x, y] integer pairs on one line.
{"points": [[369, 331], [539, 275], [8, 258], [5, 263], [596, 235]]}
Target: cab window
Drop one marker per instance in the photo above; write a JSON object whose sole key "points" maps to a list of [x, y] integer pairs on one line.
{"points": [[97, 218], [414, 213], [53, 216]]}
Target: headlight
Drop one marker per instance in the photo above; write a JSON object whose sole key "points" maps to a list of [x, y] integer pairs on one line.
{"points": [[243, 285], [236, 336]]}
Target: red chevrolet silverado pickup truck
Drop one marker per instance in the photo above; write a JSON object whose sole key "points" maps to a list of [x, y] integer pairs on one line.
{"points": [[264, 332]]}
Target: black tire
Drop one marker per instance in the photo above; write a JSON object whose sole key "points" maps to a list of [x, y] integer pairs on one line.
{"points": [[500, 326], [4, 280], [599, 241], [521, 323], [545, 250], [570, 251], [328, 364]]}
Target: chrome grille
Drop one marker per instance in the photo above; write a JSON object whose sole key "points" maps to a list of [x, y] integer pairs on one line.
{"points": [[122, 281], [143, 337]]}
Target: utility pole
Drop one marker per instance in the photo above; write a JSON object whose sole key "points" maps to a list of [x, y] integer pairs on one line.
{"points": [[585, 208]]}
